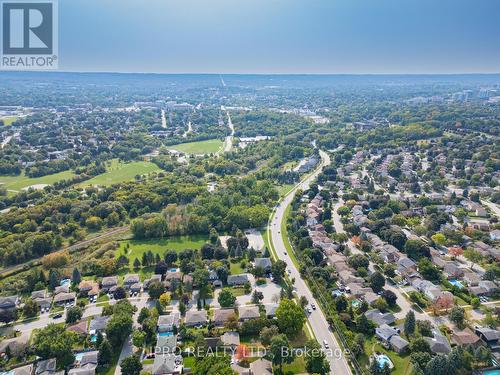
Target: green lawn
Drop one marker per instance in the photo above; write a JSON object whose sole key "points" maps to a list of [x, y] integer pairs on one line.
{"points": [[284, 189], [201, 147], [235, 267], [118, 171], [17, 183], [7, 121], [159, 246], [298, 366]]}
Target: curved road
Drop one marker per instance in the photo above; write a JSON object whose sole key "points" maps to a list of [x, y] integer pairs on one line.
{"points": [[319, 325]]}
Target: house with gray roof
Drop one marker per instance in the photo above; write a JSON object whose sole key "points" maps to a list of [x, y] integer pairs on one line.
{"points": [[221, 316], [166, 323], [439, 344], [398, 344], [109, 282], [380, 318], [230, 339], [98, 324], [264, 263], [167, 364], [166, 344], [195, 317], [248, 312], [240, 279], [9, 303]]}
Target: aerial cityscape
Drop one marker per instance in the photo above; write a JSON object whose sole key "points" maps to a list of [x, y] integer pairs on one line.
{"points": [[235, 221]]}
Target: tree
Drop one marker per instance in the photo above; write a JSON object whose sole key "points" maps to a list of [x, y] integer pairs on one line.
{"points": [[170, 257], [457, 316], [409, 326], [76, 276], [473, 256], [143, 315], [30, 308], [280, 351], [341, 303], [131, 365], [156, 289], [390, 297], [213, 365], [73, 314], [416, 249], [377, 281], [105, 353], [161, 267], [226, 298], [165, 299], [278, 269], [428, 270], [437, 366], [267, 334], [420, 345], [316, 362], [118, 329], [54, 341], [137, 264], [364, 325], [120, 293], [475, 303], [290, 317], [138, 338]]}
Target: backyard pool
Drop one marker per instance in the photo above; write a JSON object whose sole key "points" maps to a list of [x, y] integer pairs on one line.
{"points": [[382, 360], [355, 303], [165, 334], [491, 372], [456, 283]]}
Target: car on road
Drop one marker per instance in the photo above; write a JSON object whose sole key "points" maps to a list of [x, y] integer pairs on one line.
{"points": [[313, 306], [309, 310], [325, 344], [57, 316]]}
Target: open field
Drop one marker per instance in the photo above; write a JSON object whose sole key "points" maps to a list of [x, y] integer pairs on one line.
{"points": [[201, 147], [17, 183], [7, 121], [159, 246], [118, 171]]}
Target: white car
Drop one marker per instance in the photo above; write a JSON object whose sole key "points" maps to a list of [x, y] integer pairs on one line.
{"points": [[309, 310], [325, 344]]}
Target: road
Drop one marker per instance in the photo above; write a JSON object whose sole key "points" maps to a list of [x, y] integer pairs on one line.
{"points": [[228, 144], [163, 119], [492, 206], [317, 320]]}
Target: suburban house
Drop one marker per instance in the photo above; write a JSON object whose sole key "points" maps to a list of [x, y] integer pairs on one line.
{"points": [[88, 288], [16, 345], [109, 282], [166, 323], [79, 328], [130, 280], [9, 303], [65, 298], [221, 316], [380, 318], [248, 312], [484, 288], [195, 317], [264, 263], [47, 367], [166, 344], [240, 279], [98, 324], [23, 370], [261, 367], [230, 339], [439, 344], [465, 337], [491, 337], [271, 309], [167, 364], [42, 299]]}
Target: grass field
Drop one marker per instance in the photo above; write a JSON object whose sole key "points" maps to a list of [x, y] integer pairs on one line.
{"points": [[118, 171], [159, 246], [201, 147], [7, 121], [17, 183]]}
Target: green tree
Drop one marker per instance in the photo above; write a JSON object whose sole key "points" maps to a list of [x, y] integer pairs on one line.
{"points": [[105, 353], [138, 338], [73, 314], [278, 269], [54, 341], [316, 362], [30, 308], [119, 327], [409, 325], [377, 281], [267, 334], [226, 298], [457, 316], [438, 366], [213, 365], [131, 365], [156, 289], [76, 276], [473, 256], [420, 345], [280, 351], [290, 317]]}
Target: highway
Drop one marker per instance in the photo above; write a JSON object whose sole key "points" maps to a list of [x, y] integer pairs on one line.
{"points": [[317, 320]]}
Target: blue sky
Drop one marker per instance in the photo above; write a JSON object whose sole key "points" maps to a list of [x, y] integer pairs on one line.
{"points": [[280, 36]]}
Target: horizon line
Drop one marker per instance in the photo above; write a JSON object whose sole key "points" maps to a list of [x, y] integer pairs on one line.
{"points": [[249, 73]]}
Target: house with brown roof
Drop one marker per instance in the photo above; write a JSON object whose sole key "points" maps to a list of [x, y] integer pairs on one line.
{"points": [[465, 337], [248, 312], [195, 317], [88, 288], [221, 316]]}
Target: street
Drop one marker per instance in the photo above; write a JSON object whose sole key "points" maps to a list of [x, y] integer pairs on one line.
{"points": [[317, 320]]}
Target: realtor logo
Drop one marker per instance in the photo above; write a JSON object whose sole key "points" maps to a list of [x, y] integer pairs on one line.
{"points": [[29, 35]]}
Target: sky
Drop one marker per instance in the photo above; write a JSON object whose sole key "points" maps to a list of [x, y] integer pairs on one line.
{"points": [[280, 36]]}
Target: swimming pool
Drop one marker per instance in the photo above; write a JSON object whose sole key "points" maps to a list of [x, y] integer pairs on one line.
{"points": [[355, 303], [79, 356], [165, 334], [456, 283], [382, 360], [491, 372]]}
